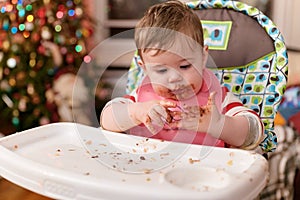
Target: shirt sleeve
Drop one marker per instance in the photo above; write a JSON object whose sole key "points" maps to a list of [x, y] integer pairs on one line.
{"points": [[232, 106], [131, 98], [124, 100]]}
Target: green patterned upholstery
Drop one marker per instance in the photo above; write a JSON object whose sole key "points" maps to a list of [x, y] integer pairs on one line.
{"points": [[260, 83]]}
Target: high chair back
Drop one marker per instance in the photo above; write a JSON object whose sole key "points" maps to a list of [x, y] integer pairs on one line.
{"points": [[250, 56]]}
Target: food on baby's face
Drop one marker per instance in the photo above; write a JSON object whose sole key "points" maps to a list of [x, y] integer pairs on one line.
{"points": [[181, 92]]}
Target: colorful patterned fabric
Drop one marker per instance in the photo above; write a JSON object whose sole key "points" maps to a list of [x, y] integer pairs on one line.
{"points": [[216, 33], [259, 84]]}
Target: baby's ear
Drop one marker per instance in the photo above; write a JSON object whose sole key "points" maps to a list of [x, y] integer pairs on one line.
{"points": [[205, 48], [205, 55], [141, 63]]}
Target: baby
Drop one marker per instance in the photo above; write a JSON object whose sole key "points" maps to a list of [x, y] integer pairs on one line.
{"points": [[179, 99]]}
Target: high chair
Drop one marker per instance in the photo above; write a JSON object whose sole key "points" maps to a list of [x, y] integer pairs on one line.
{"points": [[74, 161], [250, 56], [251, 59]]}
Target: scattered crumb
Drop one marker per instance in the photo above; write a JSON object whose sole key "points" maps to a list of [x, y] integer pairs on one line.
{"points": [[145, 150], [95, 156], [164, 154], [87, 173], [89, 142], [142, 158], [192, 161], [153, 159], [130, 161], [71, 149], [230, 163], [16, 146], [147, 171], [148, 179]]}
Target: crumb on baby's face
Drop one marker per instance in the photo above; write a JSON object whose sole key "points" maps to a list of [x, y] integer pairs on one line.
{"points": [[182, 92]]}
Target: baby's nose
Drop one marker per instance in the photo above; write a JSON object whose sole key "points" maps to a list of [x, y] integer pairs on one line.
{"points": [[174, 76]]}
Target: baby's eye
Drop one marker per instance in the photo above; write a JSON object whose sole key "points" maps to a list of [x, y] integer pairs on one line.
{"points": [[161, 71], [185, 66]]}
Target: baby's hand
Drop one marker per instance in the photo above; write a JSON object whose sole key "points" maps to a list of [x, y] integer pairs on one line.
{"points": [[197, 118], [154, 114]]}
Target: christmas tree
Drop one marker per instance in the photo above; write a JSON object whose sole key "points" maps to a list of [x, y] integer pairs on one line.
{"points": [[39, 39]]}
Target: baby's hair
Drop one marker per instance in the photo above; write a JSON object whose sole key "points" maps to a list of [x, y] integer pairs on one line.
{"points": [[163, 22]]}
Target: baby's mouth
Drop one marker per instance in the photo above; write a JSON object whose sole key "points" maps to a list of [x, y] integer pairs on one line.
{"points": [[179, 91], [182, 90]]}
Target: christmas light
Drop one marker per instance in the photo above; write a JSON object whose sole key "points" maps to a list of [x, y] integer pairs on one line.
{"points": [[71, 13], [58, 28], [26, 34], [28, 7], [59, 14], [78, 48], [22, 13], [3, 9], [11, 63], [87, 59], [9, 8], [14, 30], [22, 27], [30, 18]]}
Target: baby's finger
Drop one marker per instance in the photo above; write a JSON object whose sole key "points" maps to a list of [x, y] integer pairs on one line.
{"points": [[161, 112], [167, 104], [156, 117], [153, 128], [176, 115]]}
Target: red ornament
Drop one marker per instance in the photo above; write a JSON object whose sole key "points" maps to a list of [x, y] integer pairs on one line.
{"points": [[70, 58], [41, 49], [41, 13], [35, 36]]}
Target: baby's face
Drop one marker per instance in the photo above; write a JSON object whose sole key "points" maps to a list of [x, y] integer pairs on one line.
{"points": [[172, 76]]}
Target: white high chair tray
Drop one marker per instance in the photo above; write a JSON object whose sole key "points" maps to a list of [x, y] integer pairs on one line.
{"points": [[73, 161]]}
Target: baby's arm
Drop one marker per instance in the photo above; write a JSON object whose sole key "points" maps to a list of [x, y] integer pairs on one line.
{"points": [[249, 125], [121, 114]]}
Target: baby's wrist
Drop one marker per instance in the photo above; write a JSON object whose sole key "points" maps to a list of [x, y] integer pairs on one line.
{"points": [[133, 110], [215, 128]]}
